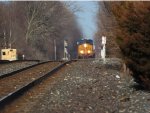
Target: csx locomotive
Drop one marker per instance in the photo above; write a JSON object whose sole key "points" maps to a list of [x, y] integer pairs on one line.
{"points": [[85, 48]]}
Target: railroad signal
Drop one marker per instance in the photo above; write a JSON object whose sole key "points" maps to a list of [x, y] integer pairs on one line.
{"points": [[103, 40], [65, 44], [66, 54], [103, 51]]}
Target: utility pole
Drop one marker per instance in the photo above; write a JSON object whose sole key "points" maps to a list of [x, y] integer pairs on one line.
{"points": [[10, 39], [5, 46], [55, 49]]}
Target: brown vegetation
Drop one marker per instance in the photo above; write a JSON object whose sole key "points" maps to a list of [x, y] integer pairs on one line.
{"points": [[132, 34]]}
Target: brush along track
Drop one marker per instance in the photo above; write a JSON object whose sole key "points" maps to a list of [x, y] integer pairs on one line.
{"points": [[14, 85]]}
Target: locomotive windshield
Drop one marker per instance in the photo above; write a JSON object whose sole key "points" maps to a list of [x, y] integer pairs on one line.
{"points": [[85, 41]]}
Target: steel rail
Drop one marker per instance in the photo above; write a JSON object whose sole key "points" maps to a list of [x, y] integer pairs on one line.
{"points": [[12, 96], [86, 59], [14, 61]]}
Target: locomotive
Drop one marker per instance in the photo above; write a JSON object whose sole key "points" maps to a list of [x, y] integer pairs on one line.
{"points": [[85, 48]]}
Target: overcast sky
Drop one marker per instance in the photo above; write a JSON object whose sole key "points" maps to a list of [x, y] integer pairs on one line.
{"points": [[87, 17]]}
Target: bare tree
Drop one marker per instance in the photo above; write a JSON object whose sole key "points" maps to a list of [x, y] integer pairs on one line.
{"points": [[35, 26]]}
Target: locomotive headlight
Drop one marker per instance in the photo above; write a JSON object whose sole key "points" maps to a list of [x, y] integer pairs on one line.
{"points": [[89, 51], [85, 45], [81, 51]]}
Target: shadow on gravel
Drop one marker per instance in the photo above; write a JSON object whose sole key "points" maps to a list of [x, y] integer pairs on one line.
{"points": [[138, 87]]}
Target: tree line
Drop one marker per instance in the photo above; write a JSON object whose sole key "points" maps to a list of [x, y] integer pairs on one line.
{"points": [[34, 28]]}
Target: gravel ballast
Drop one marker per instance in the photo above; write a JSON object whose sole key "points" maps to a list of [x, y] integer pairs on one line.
{"points": [[10, 67], [84, 87]]}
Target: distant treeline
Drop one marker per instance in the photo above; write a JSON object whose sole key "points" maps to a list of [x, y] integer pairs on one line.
{"points": [[32, 27]]}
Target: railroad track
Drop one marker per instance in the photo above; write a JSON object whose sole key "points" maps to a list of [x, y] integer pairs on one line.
{"points": [[22, 69], [9, 67], [8, 94]]}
